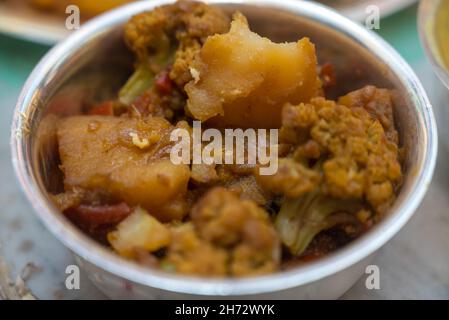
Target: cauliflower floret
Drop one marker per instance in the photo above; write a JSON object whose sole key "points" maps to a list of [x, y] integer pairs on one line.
{"points": [[183, 26], [292, 179], [378, 103], [360, 161], [341, 156], [203, 173], [300, 220], [241, 227], [189, 254], [248, 188]]}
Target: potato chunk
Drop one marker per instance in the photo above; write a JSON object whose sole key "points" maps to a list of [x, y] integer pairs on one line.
{"points": [[154, 186], [92, 147], [125, 158], [139, 231], [243, 80]]}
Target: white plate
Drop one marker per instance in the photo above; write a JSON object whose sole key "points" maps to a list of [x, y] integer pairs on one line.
{"points": [[357, 9], [27, 23]]}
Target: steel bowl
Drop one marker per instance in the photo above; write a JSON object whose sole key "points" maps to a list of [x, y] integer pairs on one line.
{"points": [[427, 24], [95, 57]]}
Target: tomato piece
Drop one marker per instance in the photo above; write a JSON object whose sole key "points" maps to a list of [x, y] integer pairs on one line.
{"points": [[97, 220], [327, 75], [105, 108], [104, 214], [142, 102], [163, 83]]}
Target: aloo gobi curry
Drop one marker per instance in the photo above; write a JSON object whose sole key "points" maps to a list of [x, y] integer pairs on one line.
{"points": [[338, 161]]}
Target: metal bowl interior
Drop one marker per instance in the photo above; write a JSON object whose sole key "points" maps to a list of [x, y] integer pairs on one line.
{"points": [[92, 63]]}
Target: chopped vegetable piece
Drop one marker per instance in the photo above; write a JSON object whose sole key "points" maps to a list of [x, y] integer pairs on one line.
{"points": [[244, 79], [301, 219], [163, 83], [141, 80], [97, 220], [139, 231], [327, 75], [189, 254], [105, 108]]}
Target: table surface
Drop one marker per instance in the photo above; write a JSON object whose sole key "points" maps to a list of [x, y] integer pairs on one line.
{"points": [[412, 266]]}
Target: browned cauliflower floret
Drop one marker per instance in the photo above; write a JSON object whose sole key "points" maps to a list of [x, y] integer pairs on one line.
{"points": [[292, 179], [360, 160], [379, 104], [248, 188], [242, 228], [189, 254], [176, 32], [180, 71], [296, 123], [203, 173]]}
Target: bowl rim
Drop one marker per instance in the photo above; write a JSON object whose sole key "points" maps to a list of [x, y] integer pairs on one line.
{"points": [[426, 20], [105, 259]]}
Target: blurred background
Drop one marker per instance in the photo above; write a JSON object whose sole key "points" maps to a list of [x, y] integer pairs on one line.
{"points": [[412, 266]]}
